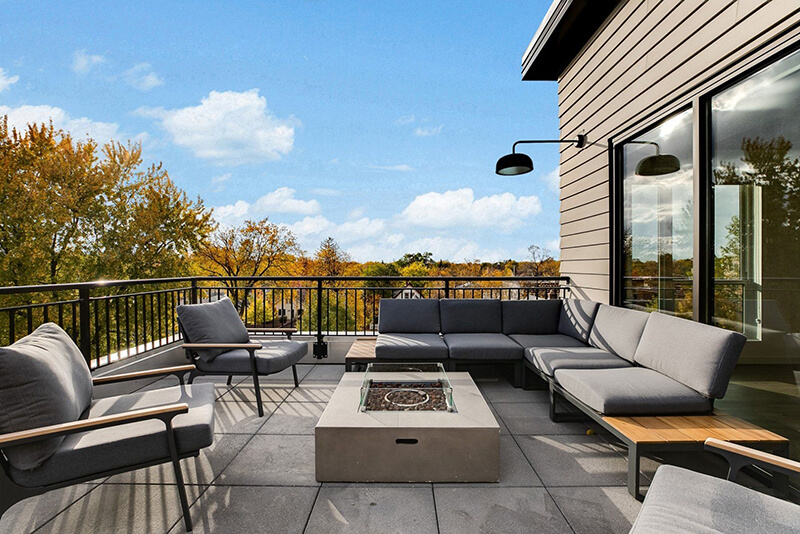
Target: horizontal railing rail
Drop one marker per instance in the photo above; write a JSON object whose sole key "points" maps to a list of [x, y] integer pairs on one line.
{"points": [[116, 319]]}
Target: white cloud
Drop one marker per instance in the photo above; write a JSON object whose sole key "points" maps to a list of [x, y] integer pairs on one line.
{"points": [[346, 232], [232, 213], [428, 131], [142, 77], [405, 119], [461, 208], [356, 213], [282, 201], [21, 116], [228, 127], [401, 168], [82, 62], [6, 81], [310, 226], [219, 182], [553, 179]]}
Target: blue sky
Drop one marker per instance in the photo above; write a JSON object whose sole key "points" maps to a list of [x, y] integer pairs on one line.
{"points": [[376, 123]]}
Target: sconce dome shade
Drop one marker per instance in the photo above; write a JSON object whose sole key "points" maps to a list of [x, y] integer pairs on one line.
{"points": [[514, 164], [658, 165]]}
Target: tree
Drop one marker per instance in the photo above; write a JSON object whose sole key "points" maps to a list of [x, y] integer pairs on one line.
{"points": [[542, 262], [253, 249], [425, 258], [330, 259]]}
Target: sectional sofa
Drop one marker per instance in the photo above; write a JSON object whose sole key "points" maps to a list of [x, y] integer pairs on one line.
{"points": [[612, 360]]}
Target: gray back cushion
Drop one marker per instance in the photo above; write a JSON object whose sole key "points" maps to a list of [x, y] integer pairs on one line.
{"points": [[618, 330], [471, 316], [409, 316], [531, 317], [577, 317], [44, 380], [212, 322], [697, 355]]}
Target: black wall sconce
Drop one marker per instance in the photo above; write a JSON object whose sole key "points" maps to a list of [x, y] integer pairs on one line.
{"points": [[657, 164], [514, 164]]}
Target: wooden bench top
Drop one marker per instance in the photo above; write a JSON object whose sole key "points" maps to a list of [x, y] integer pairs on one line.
{"points": [[691, 428], [362, 349]]}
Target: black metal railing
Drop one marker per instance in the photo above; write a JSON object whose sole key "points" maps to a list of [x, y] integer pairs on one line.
{"points": [[113, 320]]}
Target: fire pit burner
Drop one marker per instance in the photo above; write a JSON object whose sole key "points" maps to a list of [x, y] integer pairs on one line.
{"points": [[404, 394]]}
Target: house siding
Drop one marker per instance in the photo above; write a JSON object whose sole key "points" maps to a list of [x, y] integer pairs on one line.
{"points": [[649, 55]]}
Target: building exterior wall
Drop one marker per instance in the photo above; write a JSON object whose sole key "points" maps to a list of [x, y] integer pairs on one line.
{"points": [[650, 55]]}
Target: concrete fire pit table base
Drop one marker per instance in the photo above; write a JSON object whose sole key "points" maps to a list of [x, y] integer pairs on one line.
{"points": [[407, 446]]}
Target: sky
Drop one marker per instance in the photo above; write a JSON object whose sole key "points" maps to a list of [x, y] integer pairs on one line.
{"points": [[375, 123]]}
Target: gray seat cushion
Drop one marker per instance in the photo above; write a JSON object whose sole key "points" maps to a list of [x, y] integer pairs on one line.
{"points": [[44, 380], [531, 317], [117, 447], [631, 391], [577, 317], [410, 347], [482, 347], [684, 502], [471, 316], [618, 330], [695, 354], [409, 316], [549, 340], [548, 360], [272, 357], [212, 322]]}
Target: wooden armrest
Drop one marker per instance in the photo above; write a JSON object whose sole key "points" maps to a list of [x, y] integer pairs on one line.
{"points": [[176, 370], [714, 445], [165, 412], [277, 330], [201, 346]]}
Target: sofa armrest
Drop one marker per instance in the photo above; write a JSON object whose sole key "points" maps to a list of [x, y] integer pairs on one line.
{"points": [[164, 413], [178, 370], [231, 346], [739, 455]]}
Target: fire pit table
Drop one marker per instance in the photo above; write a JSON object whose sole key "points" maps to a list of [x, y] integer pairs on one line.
{"points": [[408, 422]]}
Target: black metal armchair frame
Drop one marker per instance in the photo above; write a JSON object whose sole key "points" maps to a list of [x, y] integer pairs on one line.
{"points": [[251, 348], [12, 493]]}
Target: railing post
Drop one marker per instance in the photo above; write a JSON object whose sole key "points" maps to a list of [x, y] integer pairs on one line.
{"points": [[320, 346], [84, 321], [447, 289], [194, 291]]}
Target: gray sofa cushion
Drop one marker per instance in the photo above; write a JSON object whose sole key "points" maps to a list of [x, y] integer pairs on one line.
{"points": [[618, 330], [550, 340], [212, 322], [631, 391], [94, 451], [272, 357], [531, 317], [44, 380], [684, 502], [577, 317], [471, 316], [695, 354], [409, 316], [482, 347], [548, 360], [410, 347]]}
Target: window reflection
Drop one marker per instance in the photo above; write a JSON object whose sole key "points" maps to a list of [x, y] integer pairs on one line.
{"points": [[657, 221]]}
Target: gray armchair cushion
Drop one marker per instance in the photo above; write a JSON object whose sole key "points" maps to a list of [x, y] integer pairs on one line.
{"points": [[212, 322], [618, 330], [577, 317], [482, 347], [409, 316], [410, 347], [117, 447], [631, 391], [44, 380], [531, 317], [272, 357], [695, 354], [549, 340], [686, 502], [471, 316], [548, 360]]}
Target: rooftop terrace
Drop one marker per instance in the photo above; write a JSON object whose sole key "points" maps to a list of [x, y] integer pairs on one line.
{"points": [[259, 474]]}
